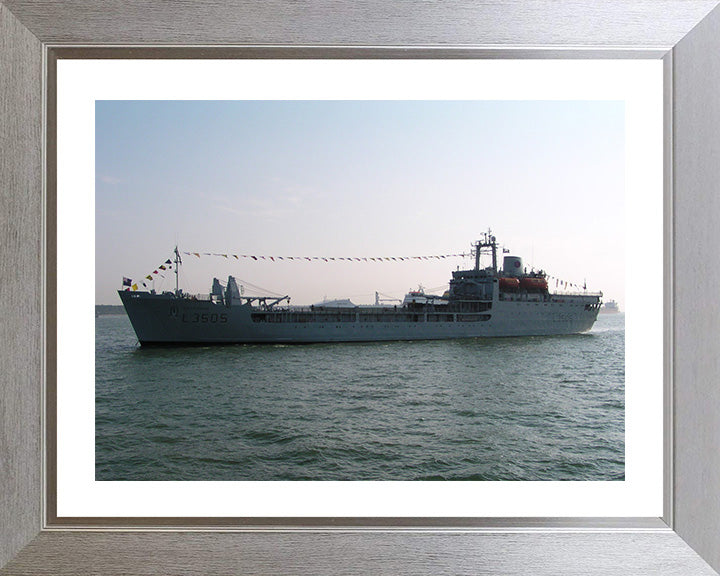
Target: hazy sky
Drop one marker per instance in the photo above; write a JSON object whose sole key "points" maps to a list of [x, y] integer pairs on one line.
{"points": [[357, 179]]}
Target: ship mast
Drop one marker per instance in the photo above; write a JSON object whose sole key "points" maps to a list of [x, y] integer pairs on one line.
{"points": [[178, 261], [488, 241]]}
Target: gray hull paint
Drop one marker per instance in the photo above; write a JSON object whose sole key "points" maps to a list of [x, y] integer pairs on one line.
{"points": [[162, 318]]}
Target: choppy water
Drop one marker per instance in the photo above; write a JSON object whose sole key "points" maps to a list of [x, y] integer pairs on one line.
{"points": [[540, 408]]}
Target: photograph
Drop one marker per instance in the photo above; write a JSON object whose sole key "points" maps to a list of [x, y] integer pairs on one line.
{"points": [[360, 290]]}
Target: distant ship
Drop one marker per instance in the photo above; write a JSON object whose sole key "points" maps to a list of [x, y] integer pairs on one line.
{"points": [[480, 302], [610, 307]]}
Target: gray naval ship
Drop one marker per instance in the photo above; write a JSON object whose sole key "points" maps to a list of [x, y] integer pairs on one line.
{"points": [[481, 302]]}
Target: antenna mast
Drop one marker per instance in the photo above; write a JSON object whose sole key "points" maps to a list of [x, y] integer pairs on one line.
{"points": [[488, 241], [178, 261]]}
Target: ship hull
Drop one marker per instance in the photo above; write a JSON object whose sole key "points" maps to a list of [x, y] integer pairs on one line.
{"points": [[165, 319]]}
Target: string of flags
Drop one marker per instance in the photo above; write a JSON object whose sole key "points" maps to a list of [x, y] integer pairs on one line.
{"points": [[564, 284], [328, 258], [558, 282], [128, 283]]}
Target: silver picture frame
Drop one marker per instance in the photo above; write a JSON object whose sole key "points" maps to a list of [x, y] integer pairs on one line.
{"points": [[685, 34]]}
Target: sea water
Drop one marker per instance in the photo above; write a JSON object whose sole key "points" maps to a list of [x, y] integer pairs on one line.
{"points": [[530, 408]]}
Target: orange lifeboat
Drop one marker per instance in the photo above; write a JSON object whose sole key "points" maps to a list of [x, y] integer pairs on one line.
{"points": [[534, 284], [509, 284]]}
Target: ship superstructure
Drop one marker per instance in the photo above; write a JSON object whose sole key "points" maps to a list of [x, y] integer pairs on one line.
{"points": [[480, 302], [610, 307]]}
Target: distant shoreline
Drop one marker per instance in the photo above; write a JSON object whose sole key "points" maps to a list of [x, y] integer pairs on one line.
{"points": [[109, 310]]}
